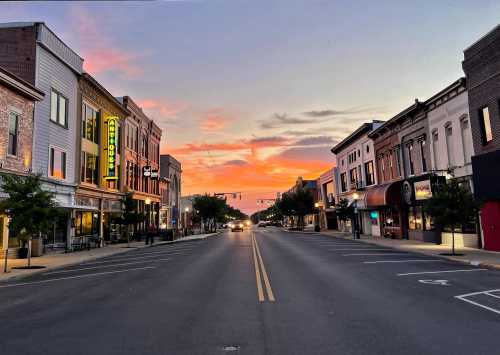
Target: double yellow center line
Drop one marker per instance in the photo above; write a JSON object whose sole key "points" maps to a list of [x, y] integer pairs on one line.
{"points": [[257, 260]]}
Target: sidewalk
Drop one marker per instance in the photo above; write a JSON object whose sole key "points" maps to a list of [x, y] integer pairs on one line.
{"points": [[58, 259], [472, 256]]}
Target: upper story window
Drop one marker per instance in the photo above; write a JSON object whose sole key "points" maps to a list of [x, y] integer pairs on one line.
{"points": [[57, 163], [369, 173], [448, 130], [411, 166], [353, 174], [466, 139], [485, 124], [90, 123], [58, 108], [435, 141], [343, 182], [391, 170], [13, 126], [89, 168], [368, 148], [422, 154]]}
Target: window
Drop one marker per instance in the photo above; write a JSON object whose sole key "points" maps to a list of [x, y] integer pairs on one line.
{"points": [[391, 170], [343, 182], [90, 123], [353, 173], [398, 160], [382, 167], [57, 163], [58, 109], [369, 173], [13, 124], [89, 168], [368, 148], [422, 154], [485, 123], [411, 167], [435, 140], [448, 129], [466, 139]]}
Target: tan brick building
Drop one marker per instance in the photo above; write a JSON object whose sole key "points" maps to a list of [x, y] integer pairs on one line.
{"points": [[17, 101]]}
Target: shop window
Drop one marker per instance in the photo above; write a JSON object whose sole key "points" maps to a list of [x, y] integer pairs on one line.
{"points": [[13, 126], [485, 124], [58, 109], [411, 219]]}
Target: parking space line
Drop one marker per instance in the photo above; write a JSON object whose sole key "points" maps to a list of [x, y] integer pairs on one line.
{"points": [[76, 277], [127, 258], [488, 293], [103, 266], [401, 261], [439, 272], [492, 295], [374, 254]]}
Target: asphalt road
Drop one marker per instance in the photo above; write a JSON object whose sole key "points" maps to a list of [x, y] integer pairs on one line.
{"points": [[255, 292]]}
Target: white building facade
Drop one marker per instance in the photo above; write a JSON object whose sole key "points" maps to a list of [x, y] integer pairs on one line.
{"points": [[452, 147], [355, 159]]}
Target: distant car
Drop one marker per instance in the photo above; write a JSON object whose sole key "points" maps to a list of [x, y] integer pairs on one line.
{"points": [[262, 224], [237, 226]]}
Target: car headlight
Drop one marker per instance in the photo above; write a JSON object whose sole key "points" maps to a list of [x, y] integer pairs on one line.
{"points": [[247, 223], [241, 225], [230, 225]]}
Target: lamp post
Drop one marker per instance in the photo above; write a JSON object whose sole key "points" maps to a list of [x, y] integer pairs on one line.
{"points": [[186, 211], [148, 204], [355, 198]]}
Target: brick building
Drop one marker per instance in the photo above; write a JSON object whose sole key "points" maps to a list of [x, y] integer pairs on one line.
{"points": [[17, 101], [141, 163], [482, 69], [171, 169]]}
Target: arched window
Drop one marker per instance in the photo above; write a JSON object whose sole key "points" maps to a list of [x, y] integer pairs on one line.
{"points": [[448, 132], [467, 146]]}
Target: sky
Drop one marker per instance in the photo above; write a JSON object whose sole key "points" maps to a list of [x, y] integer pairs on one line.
{"points": [[252, 94]]}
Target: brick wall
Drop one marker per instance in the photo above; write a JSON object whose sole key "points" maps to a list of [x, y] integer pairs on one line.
{"points": [[12, 102], [482, 68], [18, 51]]}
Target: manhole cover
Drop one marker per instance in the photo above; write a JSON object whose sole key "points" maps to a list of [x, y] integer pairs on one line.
{"points": [[231, 348]]}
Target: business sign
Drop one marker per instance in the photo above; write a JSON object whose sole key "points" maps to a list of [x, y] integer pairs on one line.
{"points": [[423, 190], [374, 214], [146, 171], [111, 171], [154, 174]]}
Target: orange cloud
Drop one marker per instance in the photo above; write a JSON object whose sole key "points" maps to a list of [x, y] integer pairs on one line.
{"points": [[162, 108], [214, 120]]}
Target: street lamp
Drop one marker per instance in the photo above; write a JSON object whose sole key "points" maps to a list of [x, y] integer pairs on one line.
{"points": [[148, 203], [355, 197]]}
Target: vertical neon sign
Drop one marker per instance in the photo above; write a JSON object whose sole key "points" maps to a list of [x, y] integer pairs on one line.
{"points": [[111, 167]]}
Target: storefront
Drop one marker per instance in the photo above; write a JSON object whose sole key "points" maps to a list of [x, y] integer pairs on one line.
{"points": [[384, 204], [415, 192]]}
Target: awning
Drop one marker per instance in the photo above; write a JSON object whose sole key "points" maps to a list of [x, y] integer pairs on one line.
{"points": [[384, 195]]}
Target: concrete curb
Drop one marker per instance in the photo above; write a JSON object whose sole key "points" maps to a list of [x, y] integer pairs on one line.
{"points": [[444, 257], [96, 257]]}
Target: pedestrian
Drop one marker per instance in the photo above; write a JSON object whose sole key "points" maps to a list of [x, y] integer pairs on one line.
{"points": [[150, 235]]}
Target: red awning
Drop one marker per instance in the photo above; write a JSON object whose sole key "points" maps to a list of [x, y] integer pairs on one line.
{"points": [[384, 195]]}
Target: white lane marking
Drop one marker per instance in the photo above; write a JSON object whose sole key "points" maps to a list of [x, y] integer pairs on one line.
{"points": [[151, 253], [376, 254], [126, 258], [401, 261], [103, 266], [488, 293], [435, 282], [492, 295], [360, 249], [439, 272], [77, 277]]}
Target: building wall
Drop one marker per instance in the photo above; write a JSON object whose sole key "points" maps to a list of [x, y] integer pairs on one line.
{"points": [[453, 113], [17, 50], [482, 70], [53, 74], [10, 101]]}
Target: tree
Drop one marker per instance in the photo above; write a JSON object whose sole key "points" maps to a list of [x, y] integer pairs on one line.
{"points": [[344, 210], [452, 204], [30, 208], [303, 203], [130, 216], [210, 209]]}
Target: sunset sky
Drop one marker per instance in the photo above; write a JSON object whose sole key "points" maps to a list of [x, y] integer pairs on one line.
{"points": [[252, 94]]}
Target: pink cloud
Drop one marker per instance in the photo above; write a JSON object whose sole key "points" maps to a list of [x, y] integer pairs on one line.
{"points": [[162, 108], [98, 50]]}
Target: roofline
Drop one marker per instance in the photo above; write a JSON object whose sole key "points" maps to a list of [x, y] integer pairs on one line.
{"points": [[457, 83], [482, 37], [401, 114], [354, 135], [94, 82], [21, 86]]}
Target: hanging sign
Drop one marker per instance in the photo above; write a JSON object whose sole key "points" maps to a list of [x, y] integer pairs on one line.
{"points": [[112, 174], [154, 174], [146, 171], [423, 190]]}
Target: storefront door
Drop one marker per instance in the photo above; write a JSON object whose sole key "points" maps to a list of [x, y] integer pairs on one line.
{"points": [[490, 221]]}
